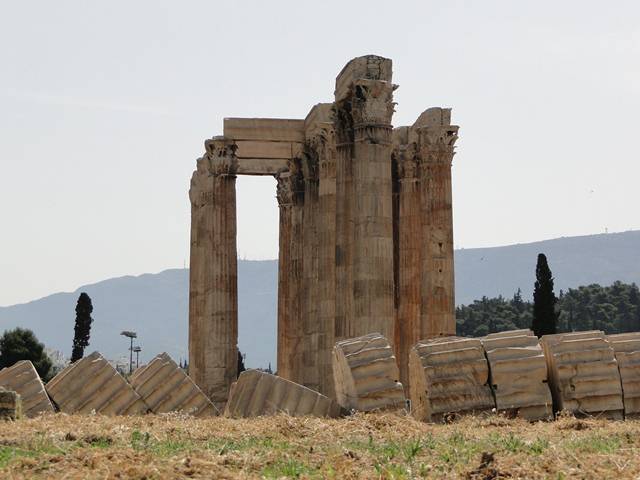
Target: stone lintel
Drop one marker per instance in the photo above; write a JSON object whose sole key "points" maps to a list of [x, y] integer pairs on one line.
{"points": [[264, 129]]}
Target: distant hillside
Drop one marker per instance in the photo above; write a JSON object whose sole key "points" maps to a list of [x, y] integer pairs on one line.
{"points": [[156, 305], [574, 261]]}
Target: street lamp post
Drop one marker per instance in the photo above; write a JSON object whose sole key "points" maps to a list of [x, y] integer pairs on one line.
{"points": [[130, 335], [137, 349]]}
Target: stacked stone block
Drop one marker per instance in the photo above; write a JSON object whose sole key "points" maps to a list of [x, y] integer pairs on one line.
{"points": [[447, 375], [583, 374], [366, 374], [518, 374], [626, 347]]}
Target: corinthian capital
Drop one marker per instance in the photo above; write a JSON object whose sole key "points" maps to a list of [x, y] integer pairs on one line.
{"points": [[372, 102], [221, 155], [437, 143]]}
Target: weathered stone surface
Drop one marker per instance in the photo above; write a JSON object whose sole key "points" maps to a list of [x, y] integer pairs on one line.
{"points": [[259, 393], [583, 374], [518, 374], [422, 157], [93, 385], [10, 405], [23, 379], [165, 387], [365, 373], [626, 347], [213, 273], [448, 375], [366, 230]]}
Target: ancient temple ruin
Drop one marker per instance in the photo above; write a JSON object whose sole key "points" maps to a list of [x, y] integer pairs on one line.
{"points": [[366, 238]]}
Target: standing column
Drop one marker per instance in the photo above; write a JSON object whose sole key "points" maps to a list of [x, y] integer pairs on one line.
{"points": [[372, 108], [327, 267], [213, 288], [310, 246], [290, 333], [437, 138], [407, 332], [343, 124]]}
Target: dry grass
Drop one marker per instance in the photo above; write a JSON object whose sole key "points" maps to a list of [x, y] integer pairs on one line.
{"points": [[363, 446]]}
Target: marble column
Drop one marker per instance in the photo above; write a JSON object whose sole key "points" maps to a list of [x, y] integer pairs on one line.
{"points": [[436, 149], [290, 331], [213, 290]]}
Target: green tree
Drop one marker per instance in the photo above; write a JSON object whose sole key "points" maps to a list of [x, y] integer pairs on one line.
{"points": [[82, 329], [22, 344], [545, 317]]}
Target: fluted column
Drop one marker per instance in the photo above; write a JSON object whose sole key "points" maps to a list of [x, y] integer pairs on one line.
{"points": [[436, 147], [343, 124], [327, 270], [409, 258], [290, 332], [372, 108], [312, 328], [213, 291]]}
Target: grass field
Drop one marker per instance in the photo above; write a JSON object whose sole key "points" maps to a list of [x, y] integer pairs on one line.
{"points": [[363, 446]]}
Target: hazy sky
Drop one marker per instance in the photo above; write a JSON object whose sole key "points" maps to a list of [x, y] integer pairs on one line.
{"points": [[104, 107]]}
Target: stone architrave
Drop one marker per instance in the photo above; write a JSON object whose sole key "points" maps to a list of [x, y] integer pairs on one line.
{"points": [[518, 374], [165, 387], [366, 374], [626, 347], [448, 375], [258, 393], [583, 374], [93, 385], [23, 379]]}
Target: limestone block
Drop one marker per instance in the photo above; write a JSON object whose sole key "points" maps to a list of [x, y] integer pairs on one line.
{"points": [[626, 347], [448, 375], [518, 373], [259, 393], [165, 387], [365, 374], [10, 405], [93, 385], [23, 379], [583, 374]]}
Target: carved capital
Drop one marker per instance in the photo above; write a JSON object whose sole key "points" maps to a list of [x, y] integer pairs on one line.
{"points": [[289, 185], [221, 154], [372, 103], [437, 143]]}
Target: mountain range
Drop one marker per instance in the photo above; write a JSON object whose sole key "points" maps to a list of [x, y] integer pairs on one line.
{"points": [[156, 305]]}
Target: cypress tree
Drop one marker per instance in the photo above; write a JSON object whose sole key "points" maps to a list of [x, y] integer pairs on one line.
{"points": [[241, 367], [83, 326], [545, 317]]}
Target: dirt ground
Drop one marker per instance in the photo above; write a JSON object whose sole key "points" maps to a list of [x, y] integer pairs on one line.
{"points": [[372, 446]]}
